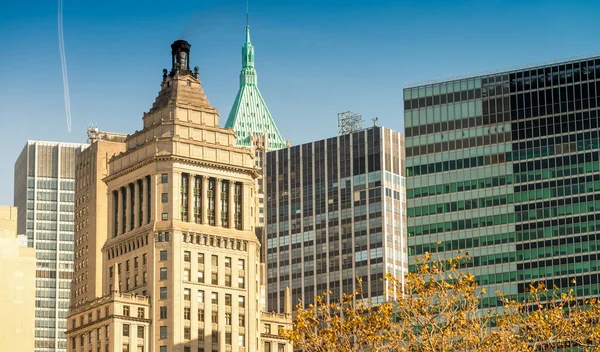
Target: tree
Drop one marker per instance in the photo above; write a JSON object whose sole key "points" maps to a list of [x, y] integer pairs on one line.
{"points": [[437, 309]]}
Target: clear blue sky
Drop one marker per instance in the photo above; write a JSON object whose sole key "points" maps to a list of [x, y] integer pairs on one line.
{"points": [[314, 58]]}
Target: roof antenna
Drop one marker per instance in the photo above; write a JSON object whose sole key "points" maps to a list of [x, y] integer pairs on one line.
{"points": [[246, 13]]}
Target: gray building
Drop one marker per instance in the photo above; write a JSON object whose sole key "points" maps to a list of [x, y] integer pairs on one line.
{"points": [[44, 193], [506, 167], [335, 211]]}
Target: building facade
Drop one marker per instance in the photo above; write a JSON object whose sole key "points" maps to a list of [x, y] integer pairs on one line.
{"points": [[336, 211], [17, 285], [44, 194], [505, 166], [91, 218], [181, 231], [254, 128]]}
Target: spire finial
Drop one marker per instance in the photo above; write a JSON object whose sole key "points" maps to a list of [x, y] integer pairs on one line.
{"points": [[246, 13]]}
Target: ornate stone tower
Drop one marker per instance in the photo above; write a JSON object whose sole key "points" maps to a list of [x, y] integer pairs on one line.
{"points": [[181, 225]]}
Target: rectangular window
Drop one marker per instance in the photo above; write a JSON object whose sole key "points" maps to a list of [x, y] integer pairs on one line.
{"points": [[214, 278], [163, 332], [227, 262], [184, 196], [163, 255], [210, 197], [200, 296], [164, 178], [187, 256], [140, 331], [228, 300], [163, 312], [200, 336], [214, 318], [187, 314], [242, 301], [141, 313], [163, 293], [186, 275], [126, 311], [197, 199], [228, 279], [187, 294], [237, 205], [227, 318], [149, 202], [162, 348], [144, 259], [214, 261], [201, 276], [242, 320], [163, 273], [241, 264], [241, 282], [165, 216], [126, 330], [214, 298], [187, 334], [200, 315], [201, 258], [164, 198], [224, 200], [140, 184], [228, 337]]}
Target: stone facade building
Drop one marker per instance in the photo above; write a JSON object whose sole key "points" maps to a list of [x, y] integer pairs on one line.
{"points": [[181, 230]]}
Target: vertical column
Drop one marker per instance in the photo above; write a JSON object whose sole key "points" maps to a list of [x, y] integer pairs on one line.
{"points": [[231, 204], [218, 201], [136, 204], [204, 196], [145, 200], [129, 202], [120, 212], [191, 179]]}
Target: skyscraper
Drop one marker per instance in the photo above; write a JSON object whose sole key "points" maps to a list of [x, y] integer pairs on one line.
{"points": [[44, 194], [505, 166], [254, 127], [180, 264], [336, 211]]}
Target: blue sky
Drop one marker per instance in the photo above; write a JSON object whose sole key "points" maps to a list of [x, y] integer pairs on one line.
{"points": [[314, 58]]}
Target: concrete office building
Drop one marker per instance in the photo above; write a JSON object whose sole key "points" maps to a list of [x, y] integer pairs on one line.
{"points": [[17, 285], [506, 166], [336, 211], [44, 193], [181, 269]]}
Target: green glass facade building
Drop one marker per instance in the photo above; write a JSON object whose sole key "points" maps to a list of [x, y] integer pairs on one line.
{"points": [[505, 166]]}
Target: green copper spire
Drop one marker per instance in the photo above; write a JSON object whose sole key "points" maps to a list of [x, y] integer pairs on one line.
{"points": [[249, 114]]}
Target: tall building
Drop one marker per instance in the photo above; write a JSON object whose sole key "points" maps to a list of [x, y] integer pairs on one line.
{"points": [[254, 127], [17, 285], [180, 265], [44, 194], [91, 222], [505, 166], [336, 211]]}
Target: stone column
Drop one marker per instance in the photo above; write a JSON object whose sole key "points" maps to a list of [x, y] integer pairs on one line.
{"points": [[120, 211], [145, 200], [218, 202], [136, 204], [231, 204], [204, 196], [129, 202], [191, 198]]}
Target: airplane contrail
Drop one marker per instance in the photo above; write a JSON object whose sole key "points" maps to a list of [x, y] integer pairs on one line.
{"points": [[63, 62]]}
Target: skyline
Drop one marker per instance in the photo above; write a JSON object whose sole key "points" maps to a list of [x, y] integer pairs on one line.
{"points": [[313, 59]]}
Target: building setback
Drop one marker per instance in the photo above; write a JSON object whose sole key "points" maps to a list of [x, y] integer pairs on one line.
{"points": [[336, 211], [44, 194], [181, 265], [506, 167]]}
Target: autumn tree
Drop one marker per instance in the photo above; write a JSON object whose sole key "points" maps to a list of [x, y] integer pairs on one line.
{"points": [[437, 309]]}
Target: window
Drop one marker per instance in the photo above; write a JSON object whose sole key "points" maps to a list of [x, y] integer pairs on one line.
{"points": [[241, 340], [186, 275], [214, 317], [228, 337], [163, 255], [163, 348], [201, 258], [126, 311], [144, 259], [201, 276], [214, 298], [227, 318], [164, 178], [228, 262], [187, 333], [140, 331], [163, 312], [135, 262], [241, 283], [215, 337], [279, 329], [200, 335], [242, 301], [241, 264], [268, 329], [165, 216], [227, 279], [228, 300], [214, 261], [163, 273], [214, 278], [187, 294], [201, 315], [187, 313], [281, 347], [187, 256], [267, 346], [164, 198], [163, 332], [242, 320], [163, 293], [141, 313], [126, 330]]}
